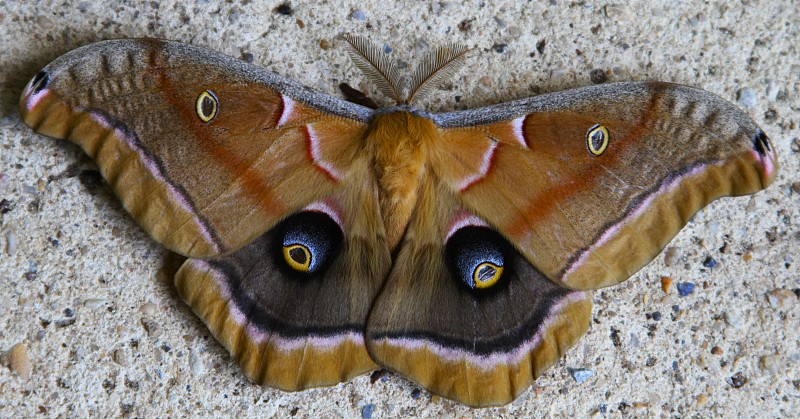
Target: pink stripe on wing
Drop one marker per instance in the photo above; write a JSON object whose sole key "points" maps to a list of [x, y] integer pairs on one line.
{"points": [[153, 168], [316, 155], [519, 133], [486, 166], [636, 213], [286, 112]]}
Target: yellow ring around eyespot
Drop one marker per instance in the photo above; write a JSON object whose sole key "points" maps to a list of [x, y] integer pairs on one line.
{"points": [[479, 283], [201, 113], [597, 129], [297, 266]]}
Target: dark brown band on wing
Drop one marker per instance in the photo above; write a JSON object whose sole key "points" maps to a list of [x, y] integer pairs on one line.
{"points": [[268, 358], [508, 342], [262, 320]]}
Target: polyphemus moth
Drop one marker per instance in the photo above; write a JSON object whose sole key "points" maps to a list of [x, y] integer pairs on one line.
{"points": [[326, 239]]}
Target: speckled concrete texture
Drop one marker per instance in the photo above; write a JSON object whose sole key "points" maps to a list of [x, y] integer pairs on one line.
{"points": [[90, 324]]}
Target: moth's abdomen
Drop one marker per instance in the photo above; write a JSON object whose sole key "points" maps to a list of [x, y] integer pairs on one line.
{"points": [[401, 143]]}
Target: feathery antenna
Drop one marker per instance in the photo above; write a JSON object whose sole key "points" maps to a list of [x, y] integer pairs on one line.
{"points": [[435, 67], [378, 68]]}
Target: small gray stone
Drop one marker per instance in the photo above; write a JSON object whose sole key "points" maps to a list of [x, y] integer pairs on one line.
{"points": [[672, 256], [734, 319], [635, 341], [196, 364], [713, 227], [618, 12], [152, 328], [148, 309], [781, 298], [121, 358], [772, 91], [4, 181], [746, 97], [770, 363], [11, 243], [580, 374], [94, 303], [358, 14]]}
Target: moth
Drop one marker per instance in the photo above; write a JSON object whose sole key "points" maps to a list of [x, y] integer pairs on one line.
{"points": [[325, 239]]}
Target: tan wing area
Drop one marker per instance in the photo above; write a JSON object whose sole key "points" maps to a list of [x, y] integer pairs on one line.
{"points": [[590, 221], [478, 347], [287, 329], [199, 187]]}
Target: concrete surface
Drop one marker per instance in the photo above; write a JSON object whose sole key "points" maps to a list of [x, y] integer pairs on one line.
{"points": [[91, 326]]}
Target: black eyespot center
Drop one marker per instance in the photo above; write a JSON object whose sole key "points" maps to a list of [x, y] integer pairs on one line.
{"points": [[307, 243], [486, 272], [40, 81], [207, 106], [597, 138], [298, 255]]}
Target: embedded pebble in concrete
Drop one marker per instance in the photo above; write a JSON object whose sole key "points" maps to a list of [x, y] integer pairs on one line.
{"points": [[685, 288], [366, 411], [666, 284], [710, 263], [95, 303], [747, 97], [148, 309], [580, 375], [196, 364], [734, 319], [672, 256], [152, 328], [11, 243], [358, 15], [121, 358], [737, 380], [781, 298], [19, 361], [619, 13], [770, 363], [4, 181]]}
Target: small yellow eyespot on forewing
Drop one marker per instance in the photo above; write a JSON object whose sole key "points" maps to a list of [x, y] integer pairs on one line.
{"points": [[207, 106], [597, 139], [487, 274], [297, 257]]}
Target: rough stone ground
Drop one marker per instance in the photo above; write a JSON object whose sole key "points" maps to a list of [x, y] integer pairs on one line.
{"points": [[89, 325]]}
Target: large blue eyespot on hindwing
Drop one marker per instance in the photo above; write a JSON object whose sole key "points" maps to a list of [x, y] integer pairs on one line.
{"points": [[309, 241], [477, 256]]}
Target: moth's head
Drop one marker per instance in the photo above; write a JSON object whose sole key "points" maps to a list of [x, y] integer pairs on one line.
{"points": [[436, 67]]}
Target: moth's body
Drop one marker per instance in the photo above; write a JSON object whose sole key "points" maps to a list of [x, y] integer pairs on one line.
{"points": [[400, 143], [325, 238]]}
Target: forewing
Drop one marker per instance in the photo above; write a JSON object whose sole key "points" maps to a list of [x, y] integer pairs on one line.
{"points": [[205, 151], [589, 212]]}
